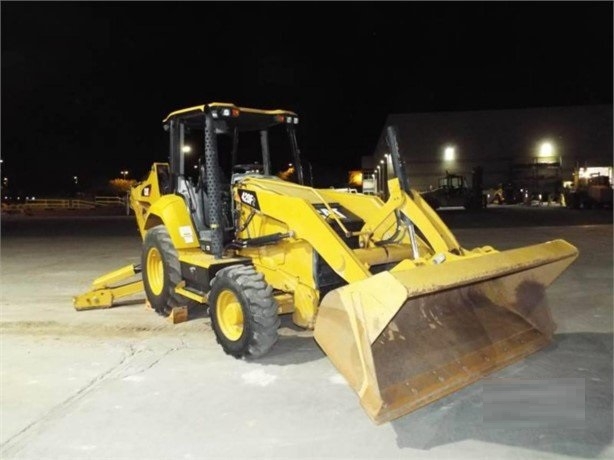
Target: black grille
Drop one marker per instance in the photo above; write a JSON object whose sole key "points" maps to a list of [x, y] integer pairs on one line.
{"points": [[352, 222], [326, 278]]}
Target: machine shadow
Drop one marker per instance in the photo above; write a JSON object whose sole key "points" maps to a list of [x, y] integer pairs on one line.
{"points": [[295, 346], [459, 416]]}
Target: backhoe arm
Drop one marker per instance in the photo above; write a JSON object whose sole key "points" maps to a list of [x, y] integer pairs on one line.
{"points": [[102, 294]]}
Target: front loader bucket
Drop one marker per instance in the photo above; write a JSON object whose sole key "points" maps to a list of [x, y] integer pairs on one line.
{"points": [[405, 339]]}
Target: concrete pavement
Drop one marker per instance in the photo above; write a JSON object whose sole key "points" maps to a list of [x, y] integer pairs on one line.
{"points": [[125, 384]]}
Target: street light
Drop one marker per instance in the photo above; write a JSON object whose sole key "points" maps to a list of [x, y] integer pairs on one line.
{"points": [[124, 173], [186, 149], [75, 179], [449, 153]]}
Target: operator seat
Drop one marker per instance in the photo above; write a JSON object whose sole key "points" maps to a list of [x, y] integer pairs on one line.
{"points": [[195, 203]]}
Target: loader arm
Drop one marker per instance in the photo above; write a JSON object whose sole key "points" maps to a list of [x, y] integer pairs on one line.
{"points": [[432, 228], [291, 206]]}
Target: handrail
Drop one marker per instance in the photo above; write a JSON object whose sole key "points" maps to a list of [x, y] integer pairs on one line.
{"points": [[63, 203]]}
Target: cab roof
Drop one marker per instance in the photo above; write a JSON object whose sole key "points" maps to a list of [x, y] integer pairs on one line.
{"points": [[244, 118]]}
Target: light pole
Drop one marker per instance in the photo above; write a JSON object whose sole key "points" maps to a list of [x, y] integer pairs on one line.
{"points": [[124, 174], [546, 154]]}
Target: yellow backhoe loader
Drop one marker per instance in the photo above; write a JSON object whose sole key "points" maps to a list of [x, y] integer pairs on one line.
{"points": [[404, 312]]}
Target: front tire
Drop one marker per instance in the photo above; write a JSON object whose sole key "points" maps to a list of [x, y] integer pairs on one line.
{"points": [[243, 312], [161, 270]]}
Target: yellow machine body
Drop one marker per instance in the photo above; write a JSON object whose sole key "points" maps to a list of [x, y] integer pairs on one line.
{"points": [[403, 311], [428, 325]]}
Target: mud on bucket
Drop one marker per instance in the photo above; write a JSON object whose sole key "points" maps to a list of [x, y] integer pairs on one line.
{"points": [[405, 339]]}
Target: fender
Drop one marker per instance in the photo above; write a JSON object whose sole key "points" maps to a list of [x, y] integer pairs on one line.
{"points": [[172, 211]]}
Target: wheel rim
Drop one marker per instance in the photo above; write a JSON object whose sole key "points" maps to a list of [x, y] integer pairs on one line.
{"points": [[229, 315], [155, 271]]}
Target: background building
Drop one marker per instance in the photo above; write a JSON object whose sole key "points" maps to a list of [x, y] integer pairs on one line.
{"points": [[535, 148]]}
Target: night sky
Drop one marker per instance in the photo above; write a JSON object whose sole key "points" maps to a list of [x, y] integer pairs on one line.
{"points": [[85, 86]]}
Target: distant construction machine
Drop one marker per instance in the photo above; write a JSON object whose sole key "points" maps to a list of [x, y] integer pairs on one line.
{"points": [[454, 191], [590, 190]]}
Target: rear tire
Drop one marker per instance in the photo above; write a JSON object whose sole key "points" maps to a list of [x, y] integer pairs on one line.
{"points": [[161, 270], [243, 312]]}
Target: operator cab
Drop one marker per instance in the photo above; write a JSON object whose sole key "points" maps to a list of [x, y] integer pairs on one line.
{"points": [[216, 145], [452, 182]]}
